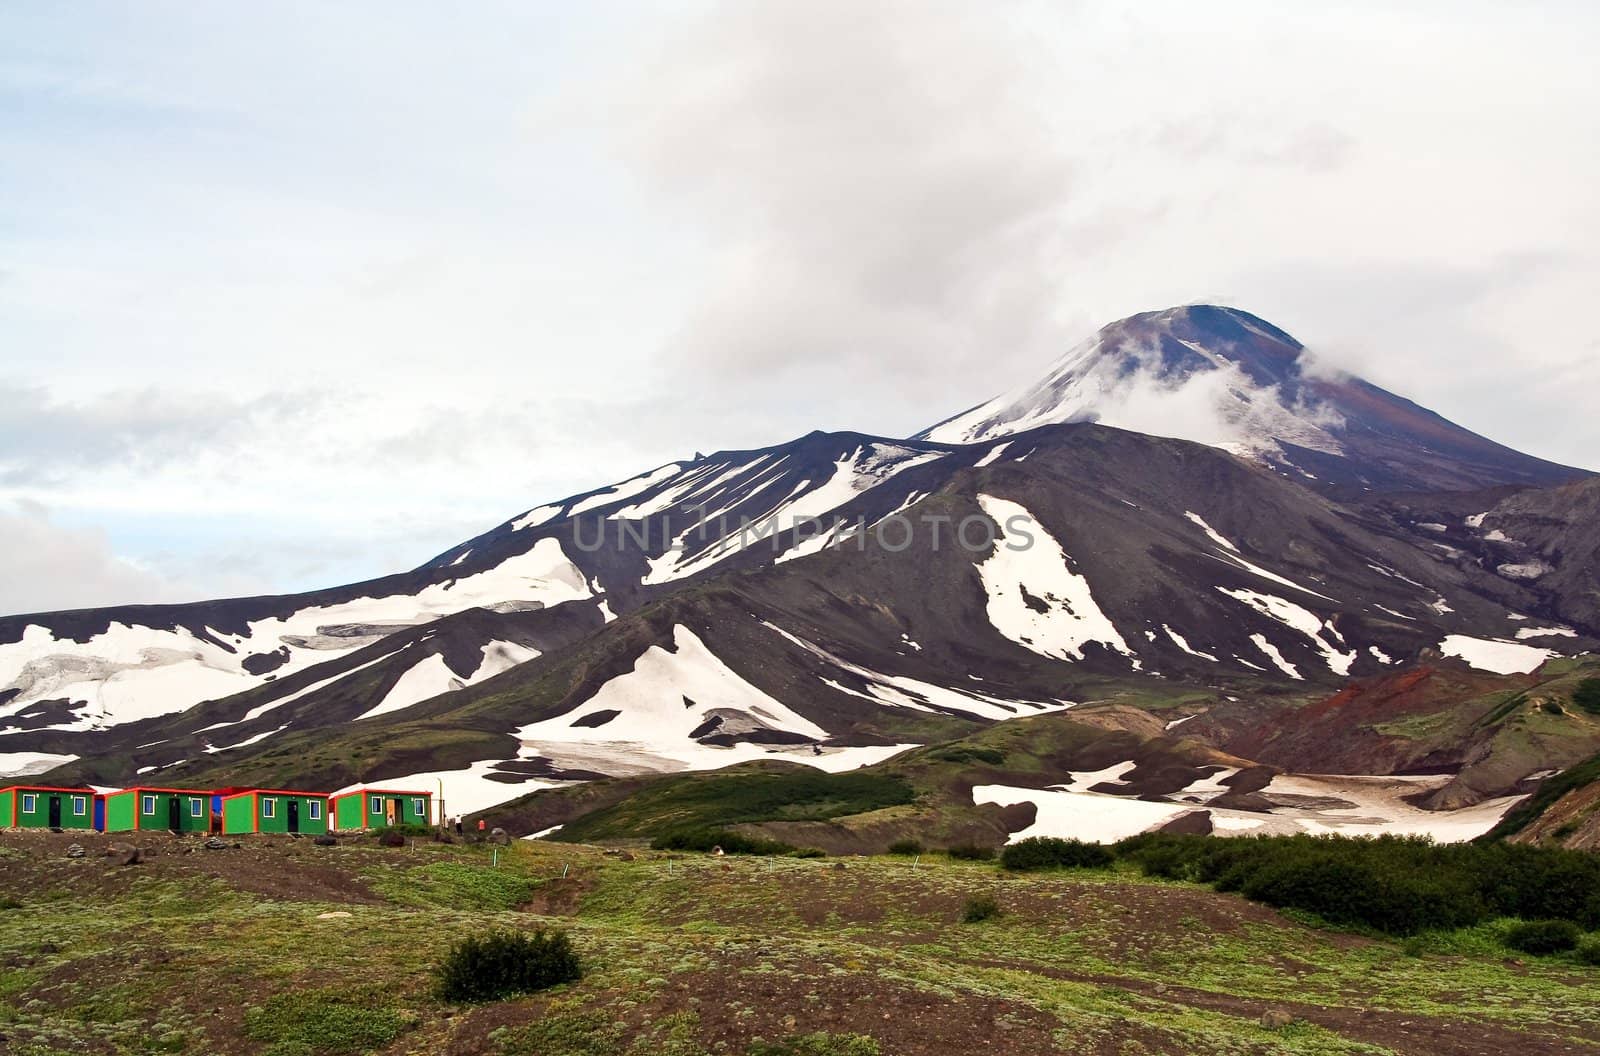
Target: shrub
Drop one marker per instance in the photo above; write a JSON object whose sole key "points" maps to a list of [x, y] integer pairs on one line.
{"points": [[506, 963], [971, 852], [1586, 695], [810, 852], [704, 840], [979, 908], [1541, 937], [1589, 951], [906, 847], [1047, 852], [7, 902], [408, 829]]}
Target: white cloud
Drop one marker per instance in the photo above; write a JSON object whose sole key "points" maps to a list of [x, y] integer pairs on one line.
{"points": [[45, 566]]}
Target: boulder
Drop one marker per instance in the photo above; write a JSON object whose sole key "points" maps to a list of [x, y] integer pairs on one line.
{"points": [[215, 844], [326, 841], [1276, 1019], [75, 851], [391, 839], [124, 854], [500, 836]]}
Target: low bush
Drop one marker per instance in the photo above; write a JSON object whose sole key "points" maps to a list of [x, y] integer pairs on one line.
{"points": [[408, 829], [1541, 937], [971, 852], [506, 963], [979, 908], [810, 852], [706, 840], [906, 847], [1586, 695], [1398, 885], [1588, 951], [1047, 852]]}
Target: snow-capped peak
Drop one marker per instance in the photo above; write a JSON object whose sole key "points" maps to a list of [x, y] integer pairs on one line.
{"points": [[1217, 376]]}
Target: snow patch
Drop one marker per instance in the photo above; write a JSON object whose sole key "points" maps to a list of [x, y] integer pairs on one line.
{"points": [[1492, 654], [1029, 571], [1300, 619], [26, 764]]}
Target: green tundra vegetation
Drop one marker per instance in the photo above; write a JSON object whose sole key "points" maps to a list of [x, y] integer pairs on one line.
{"points": [[282, 948]]}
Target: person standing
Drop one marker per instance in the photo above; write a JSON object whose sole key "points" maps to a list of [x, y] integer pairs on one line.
{"points": [[458, 824]]}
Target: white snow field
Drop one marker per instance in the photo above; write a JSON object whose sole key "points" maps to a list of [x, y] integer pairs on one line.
{"points": [[25, 764], [127, 673], [1368, 806], [641, 720], [431, 676], [1027, 558], [1492, 654]]}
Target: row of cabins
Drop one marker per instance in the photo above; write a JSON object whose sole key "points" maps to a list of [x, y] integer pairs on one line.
{"points": [[231, 811]]}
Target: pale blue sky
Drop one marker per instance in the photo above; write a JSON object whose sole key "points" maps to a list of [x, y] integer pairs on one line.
{"points": [[298, 294]]}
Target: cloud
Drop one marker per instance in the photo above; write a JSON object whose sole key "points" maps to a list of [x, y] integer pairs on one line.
{"points": [[44, 439], [881, 184], [45, 566]]}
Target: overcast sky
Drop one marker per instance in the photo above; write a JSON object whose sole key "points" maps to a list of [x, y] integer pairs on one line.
{"points": [[292, 295]]}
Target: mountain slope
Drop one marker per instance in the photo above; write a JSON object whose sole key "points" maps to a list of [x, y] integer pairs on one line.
{"points": [[831, 600], [1222, 376], [1155, 565]]}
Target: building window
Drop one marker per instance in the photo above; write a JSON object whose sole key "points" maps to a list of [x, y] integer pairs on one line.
{"points": [[147, 804], [269, 807], [30, 802], [80, 806], [377, 805], [314, 810], [194, 807], [416, 807]]}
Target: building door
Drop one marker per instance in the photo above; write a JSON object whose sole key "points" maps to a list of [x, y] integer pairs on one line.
{"points": [[392, 811], [294, 815], [55, 812], [174, 814]]}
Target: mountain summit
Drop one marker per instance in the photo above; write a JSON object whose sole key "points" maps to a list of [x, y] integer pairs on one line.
{"points": [[1223, 377]]}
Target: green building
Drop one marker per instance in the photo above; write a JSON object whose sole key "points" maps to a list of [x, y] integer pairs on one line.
{"points": [[377, 808], [44, 807], [158, 809], [274, 810]]}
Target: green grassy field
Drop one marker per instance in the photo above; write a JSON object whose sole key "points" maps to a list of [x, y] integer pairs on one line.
{"points": [[227, 952]]}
